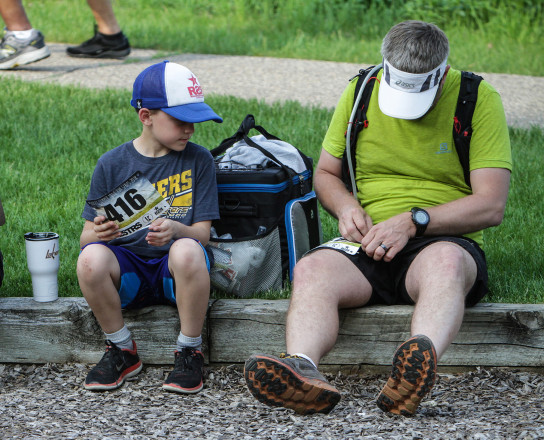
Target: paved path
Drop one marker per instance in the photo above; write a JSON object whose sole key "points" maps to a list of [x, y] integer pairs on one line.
{"points": [[312, 83]]}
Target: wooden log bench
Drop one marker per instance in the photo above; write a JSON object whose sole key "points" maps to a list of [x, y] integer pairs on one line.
{"points": [[492, 335]]}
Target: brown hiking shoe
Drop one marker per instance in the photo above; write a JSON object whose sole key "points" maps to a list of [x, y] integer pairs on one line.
{"points": [[413, 375], [291, 382]]}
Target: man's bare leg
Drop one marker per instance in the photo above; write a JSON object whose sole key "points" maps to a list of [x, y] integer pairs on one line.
{"points": [[438, 281], [323, 281]]}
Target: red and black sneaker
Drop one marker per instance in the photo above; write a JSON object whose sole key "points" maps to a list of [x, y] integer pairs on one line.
{"points": [[290, 381], [186, 377], [413, 376], [115, 366]]}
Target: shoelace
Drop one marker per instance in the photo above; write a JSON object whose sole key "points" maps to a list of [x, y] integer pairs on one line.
{"points": [[112, 351], [184, 360]]}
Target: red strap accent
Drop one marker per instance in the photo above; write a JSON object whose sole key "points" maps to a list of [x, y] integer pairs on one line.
{"points": [[456, 125]]}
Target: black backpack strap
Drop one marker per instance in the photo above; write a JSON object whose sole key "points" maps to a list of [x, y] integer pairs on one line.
{"points": [[462, 121], [360, 121]]}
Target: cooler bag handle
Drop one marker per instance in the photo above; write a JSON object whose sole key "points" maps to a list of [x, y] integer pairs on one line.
{"points": [[243, 131]]}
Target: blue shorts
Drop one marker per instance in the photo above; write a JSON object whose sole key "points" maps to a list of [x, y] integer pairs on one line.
{"points": [[146, 282]]}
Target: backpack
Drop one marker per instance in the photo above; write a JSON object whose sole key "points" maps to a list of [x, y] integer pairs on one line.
{"points": [[462, 121], [269, 212]]}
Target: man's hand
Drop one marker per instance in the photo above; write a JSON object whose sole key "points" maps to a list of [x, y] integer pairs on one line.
{"points": [[386, 239], [354, 223], [105, 230]]}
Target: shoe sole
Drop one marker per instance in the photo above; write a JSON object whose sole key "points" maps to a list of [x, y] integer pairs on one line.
{"points": [[182, 390], [276, 384], [26, 58], [116, 54], [113, 386], [412, 377]]}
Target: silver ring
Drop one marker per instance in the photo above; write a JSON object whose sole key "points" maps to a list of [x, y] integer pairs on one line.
{"points": [[384, 247]]}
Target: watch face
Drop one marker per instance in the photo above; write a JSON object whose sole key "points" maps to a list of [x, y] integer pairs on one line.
{"points": [[421, 217]]}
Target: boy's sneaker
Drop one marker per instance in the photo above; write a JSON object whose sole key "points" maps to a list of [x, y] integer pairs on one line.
{"points": [[15, 52], [413, 376], [115, 366], [292, 382], [186, 377], [101, 46]]}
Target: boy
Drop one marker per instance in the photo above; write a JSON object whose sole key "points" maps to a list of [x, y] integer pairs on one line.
{"points": [[167, 263]]}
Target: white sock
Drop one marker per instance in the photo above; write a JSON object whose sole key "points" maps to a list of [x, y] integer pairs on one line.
{"points": [[122, 338], [303, 356], [187, 341], [22, 35]]}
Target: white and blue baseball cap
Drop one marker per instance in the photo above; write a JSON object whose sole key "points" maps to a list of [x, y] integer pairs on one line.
{"points": [[173, 89]]}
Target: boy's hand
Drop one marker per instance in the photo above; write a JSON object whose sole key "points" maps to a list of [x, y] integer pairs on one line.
{"points": [[105, 230], [161, 231]]}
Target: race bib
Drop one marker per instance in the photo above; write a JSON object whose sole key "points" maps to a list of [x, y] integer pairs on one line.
{"points": [[341, 244], [133, 205]]}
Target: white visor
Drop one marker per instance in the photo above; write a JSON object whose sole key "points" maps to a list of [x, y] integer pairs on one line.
{"points": [[408, 95]]}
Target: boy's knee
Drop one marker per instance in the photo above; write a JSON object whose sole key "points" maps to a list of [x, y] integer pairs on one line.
{"points": [[186, 253], [94, 260]]}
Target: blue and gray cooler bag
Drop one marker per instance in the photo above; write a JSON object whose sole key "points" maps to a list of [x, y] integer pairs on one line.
{"points": [[269, 212]]}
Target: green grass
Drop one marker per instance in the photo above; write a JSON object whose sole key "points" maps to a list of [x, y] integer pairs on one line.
{"points": [[53, 135], [502, 36]]}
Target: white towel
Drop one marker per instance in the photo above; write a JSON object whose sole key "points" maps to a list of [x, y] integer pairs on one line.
{"points": [[242, 155]]}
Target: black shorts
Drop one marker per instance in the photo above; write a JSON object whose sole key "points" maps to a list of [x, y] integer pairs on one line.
{"points": [[388, 278]]}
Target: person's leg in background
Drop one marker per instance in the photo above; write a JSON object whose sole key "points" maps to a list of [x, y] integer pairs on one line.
{"points": [[21, 44], [108, 40]]}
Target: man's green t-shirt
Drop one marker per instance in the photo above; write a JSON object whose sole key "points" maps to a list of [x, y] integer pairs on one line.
{"points": [[405, 163]]}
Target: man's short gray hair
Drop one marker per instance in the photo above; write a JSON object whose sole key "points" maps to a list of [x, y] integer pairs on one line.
{"points": [[415, 46]]}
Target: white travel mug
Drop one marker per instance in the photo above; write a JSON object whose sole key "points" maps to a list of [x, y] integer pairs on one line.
{"points": [[42, 257]]}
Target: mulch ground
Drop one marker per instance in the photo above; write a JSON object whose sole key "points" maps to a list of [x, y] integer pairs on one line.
{"points": [[49, 402]]}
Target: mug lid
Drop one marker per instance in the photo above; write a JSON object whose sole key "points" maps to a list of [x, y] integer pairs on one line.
{"points": [[41, 236]]}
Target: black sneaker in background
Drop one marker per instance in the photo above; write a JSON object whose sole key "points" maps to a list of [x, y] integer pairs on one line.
{"points": [[101, 46], [115, 366], [186, 377]]}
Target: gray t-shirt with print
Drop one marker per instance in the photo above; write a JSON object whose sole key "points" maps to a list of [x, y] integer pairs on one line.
{"points": [[185, 178]]}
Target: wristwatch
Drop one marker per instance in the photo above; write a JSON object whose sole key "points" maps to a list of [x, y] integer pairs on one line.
{"points": [[421, 219]]}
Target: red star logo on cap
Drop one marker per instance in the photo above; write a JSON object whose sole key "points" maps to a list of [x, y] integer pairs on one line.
{"points": [[194, 80]]}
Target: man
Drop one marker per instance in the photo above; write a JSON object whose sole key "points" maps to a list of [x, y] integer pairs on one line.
{"points": [[413, 235]]}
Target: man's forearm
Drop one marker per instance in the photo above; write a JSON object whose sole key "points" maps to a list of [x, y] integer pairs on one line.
{"points": [[332, 193]]}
